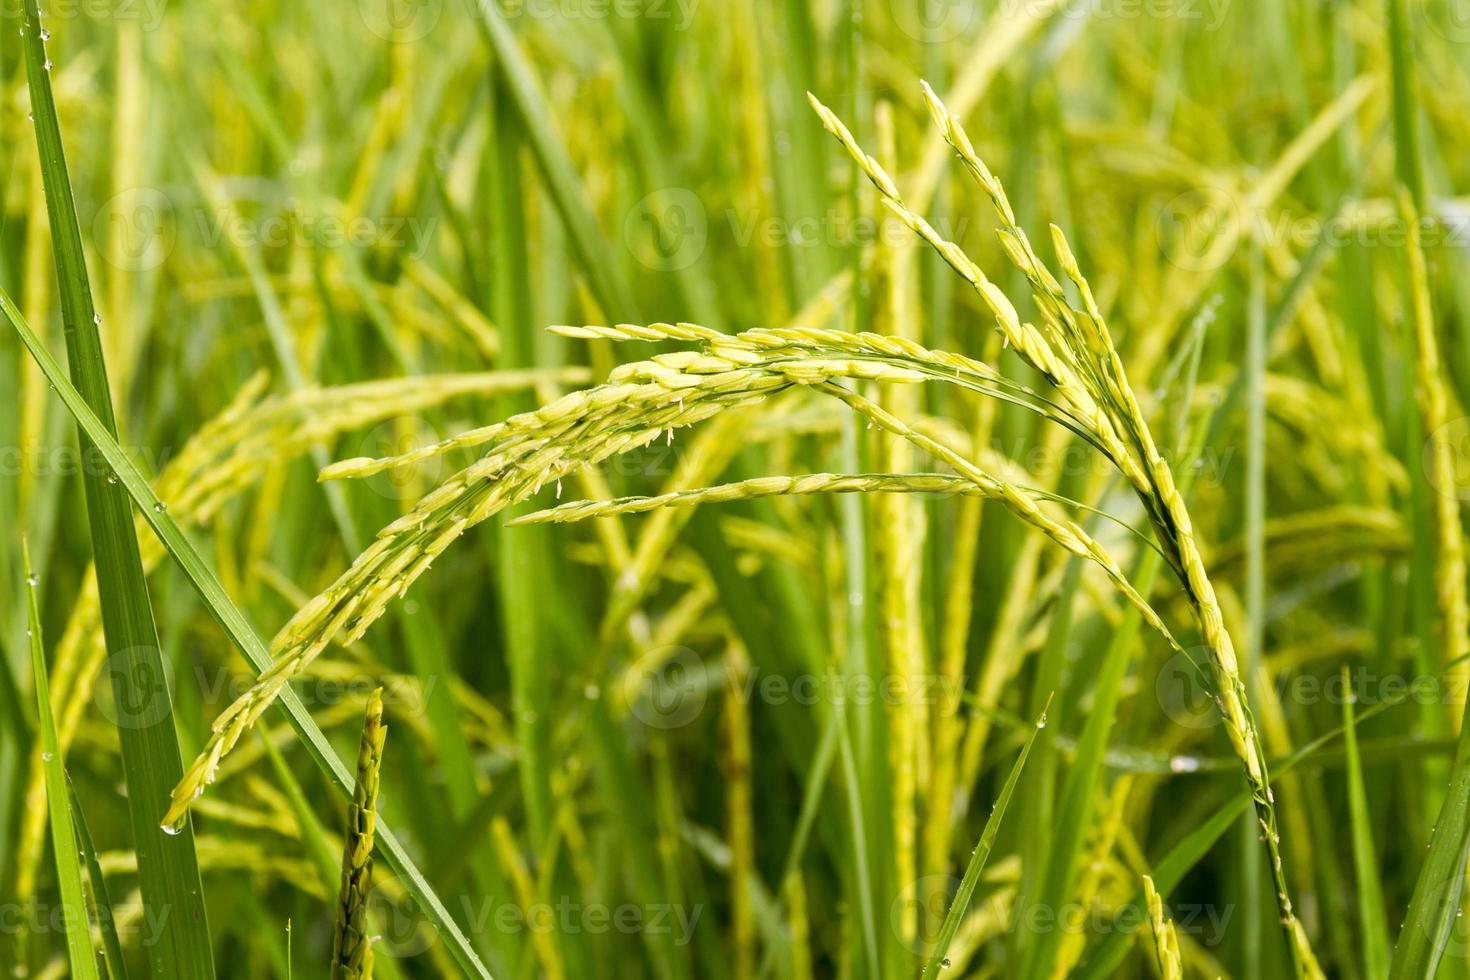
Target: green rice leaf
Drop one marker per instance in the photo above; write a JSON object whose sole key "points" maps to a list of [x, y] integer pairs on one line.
{"points": [[957, 908], [168, 868], [63, 834]]}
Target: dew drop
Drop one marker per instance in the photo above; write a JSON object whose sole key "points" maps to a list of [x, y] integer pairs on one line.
{"points": [[97, 319], [47, 756], [112, 478], [945, 964], [33, 579], [160, 507], [45, 34], [173, 829]]}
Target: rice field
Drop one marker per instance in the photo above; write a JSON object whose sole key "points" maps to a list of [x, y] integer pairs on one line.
{"points": [[756, 490]]}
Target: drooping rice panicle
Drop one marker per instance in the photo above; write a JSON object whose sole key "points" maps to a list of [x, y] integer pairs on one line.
{"points": [[1077, 357], [352, 946], [220, 461], [640, 403]]}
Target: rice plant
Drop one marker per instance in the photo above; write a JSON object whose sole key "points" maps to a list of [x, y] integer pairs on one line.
{"points": [[839, 488]]}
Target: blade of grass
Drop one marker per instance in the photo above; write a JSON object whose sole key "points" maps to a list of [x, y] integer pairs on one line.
{"points": [[1371, 917], [63, 834], [603, 277], [1435, 904], [229, 617], [937, 957], [1253, 652], [105, 913], [168, 868]]}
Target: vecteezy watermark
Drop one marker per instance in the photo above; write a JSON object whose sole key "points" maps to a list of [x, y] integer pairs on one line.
{"points": [[404, 931], [1445, 898], [42, 918], [935, 21], [147, 14], [1186, 689], [318, 690], [1200, 229], [916, 916], [137, 229], [1450, 19], [74, 460], [1206, 922], [1210, 464], [397, 437], [133, 689], [678, 14], [670, 688], [1208, 15], [670, 229], [409, 232], [1455, 435], [667, 689], [939, 21], [401, 20]]}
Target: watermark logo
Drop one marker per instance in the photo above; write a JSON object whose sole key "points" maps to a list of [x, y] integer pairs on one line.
{"points": [[1190, 228], [396, 437], [397, 924], [1455, 434], [1454, 940], [916, 916], [679, 14], [934, 21], [670, 691], [668, 229], [147, 14], [132, 691], [136, 229], [401, 20], [1450, 19], [1184, 691]]}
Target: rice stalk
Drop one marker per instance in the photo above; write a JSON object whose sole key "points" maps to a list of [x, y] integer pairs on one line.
{"points": [[739, 791], [900, 545], [64, 843], [1434, 413]]}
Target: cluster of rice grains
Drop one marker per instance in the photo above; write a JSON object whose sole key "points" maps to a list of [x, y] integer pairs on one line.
{"points": [[1070, 348]]}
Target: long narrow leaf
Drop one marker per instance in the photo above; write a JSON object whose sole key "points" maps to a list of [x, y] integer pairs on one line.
{"points": [[104, 911], [961, 903], [168, 868], [63, 834]]}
